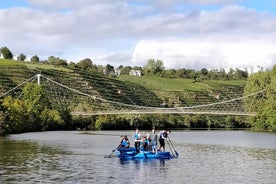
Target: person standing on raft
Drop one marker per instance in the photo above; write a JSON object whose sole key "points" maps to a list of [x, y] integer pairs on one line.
{"points": [[137, 139], [163, 135], [153, 140]]}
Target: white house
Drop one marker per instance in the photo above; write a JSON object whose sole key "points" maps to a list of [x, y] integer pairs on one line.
{"points": [[255, 69], [249, 70], [135, 73]]}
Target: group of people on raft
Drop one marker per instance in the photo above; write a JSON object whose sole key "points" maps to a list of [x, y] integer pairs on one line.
{"points": [[147, 142]]}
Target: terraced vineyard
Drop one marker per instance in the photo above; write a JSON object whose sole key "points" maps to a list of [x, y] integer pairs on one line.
{"points": [[187, 92], [142, 91], [13, 73]]}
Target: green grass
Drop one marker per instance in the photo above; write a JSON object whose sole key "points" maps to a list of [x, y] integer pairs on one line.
{"points": [[168, 84], [37, 66], [6, 63]]}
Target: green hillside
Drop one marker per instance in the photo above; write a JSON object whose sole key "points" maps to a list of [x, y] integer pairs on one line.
{"points": [[13, 73], [187, 92], [145, 90]]}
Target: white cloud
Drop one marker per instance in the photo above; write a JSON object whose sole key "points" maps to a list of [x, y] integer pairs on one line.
{"points": [[205, 53], [172, 4], [106, 31]]}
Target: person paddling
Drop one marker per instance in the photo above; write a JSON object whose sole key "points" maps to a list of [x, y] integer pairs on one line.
{"points": [[163, 135], [124, 142]]}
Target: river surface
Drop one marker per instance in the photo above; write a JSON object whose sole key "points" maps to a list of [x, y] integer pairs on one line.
{"points": [[81, 157]]}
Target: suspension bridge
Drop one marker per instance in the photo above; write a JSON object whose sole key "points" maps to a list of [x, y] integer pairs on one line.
{"points": [[88, 104]]}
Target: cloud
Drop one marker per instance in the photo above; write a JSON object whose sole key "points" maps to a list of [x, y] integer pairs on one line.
{"points": [[207, 53], [174, 4], [107, 31], [65, 4]]}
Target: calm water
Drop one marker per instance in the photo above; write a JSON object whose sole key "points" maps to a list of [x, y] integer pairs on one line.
{"points": [[79, 157]]}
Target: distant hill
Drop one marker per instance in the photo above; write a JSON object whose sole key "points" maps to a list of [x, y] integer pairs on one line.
{"points": [[145, 90]]}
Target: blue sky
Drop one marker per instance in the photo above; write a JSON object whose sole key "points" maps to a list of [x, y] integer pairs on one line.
{"points": [[260, 5], [182, 33]]}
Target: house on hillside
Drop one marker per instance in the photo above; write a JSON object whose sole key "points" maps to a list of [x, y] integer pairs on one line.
{"points": [[135, 73], [118, 71], [255, 69]]}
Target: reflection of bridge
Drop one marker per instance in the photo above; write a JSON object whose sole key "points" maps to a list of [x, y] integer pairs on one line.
{"points": [[81, 103]]}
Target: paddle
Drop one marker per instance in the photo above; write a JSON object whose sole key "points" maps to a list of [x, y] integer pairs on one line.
{"points": [[170, 147], [112, 152], [173, 147]]}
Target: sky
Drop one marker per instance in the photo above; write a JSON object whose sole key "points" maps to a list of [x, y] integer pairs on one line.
{"points": [[191, 34]]}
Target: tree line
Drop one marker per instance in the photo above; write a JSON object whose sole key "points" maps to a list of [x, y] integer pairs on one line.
{"points": [[152, 68], [35, 112]]}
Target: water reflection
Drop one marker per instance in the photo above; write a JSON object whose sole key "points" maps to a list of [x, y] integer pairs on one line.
{"points": [[25, 161], [72, 157], [152, 162]]}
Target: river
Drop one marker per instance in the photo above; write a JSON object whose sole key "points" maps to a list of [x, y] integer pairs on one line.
{"points": [[80, 157]]}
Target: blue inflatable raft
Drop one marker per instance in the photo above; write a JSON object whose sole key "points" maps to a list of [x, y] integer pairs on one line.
{"points": [[130, 153]]}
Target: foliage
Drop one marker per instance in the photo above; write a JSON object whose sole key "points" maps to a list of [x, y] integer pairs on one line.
{"points": [[168, 121], [109, 69], [17, 120], [21, 57], [56, 61], [33, 112], [85, 64], [255, 83], [35, 59], [154, 67], [35, 97], [263, 103], [7, 54], [111, 122], [125, 70], [51, 120]]}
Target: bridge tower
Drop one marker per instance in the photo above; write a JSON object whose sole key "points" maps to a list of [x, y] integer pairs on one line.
{"points": [[38, 78]]}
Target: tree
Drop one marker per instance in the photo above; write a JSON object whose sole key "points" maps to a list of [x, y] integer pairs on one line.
{"points": [[125, 70], [21, 57], [264, 103], [109, 69], [273, 71], [35, 59], [154, 67], [72, 65], [85, 64], [181, 73], [159, 67], [239, 74], [57, 61], [171, 73], [203, 71], [7, 54], [51, 119]]}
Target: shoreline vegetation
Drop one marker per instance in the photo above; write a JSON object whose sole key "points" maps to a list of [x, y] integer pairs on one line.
{"points": [[35, 113]]}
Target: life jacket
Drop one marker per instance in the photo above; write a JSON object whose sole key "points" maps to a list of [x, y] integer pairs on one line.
{"points": [[124, 143], [163, 134], [137, 136]]}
